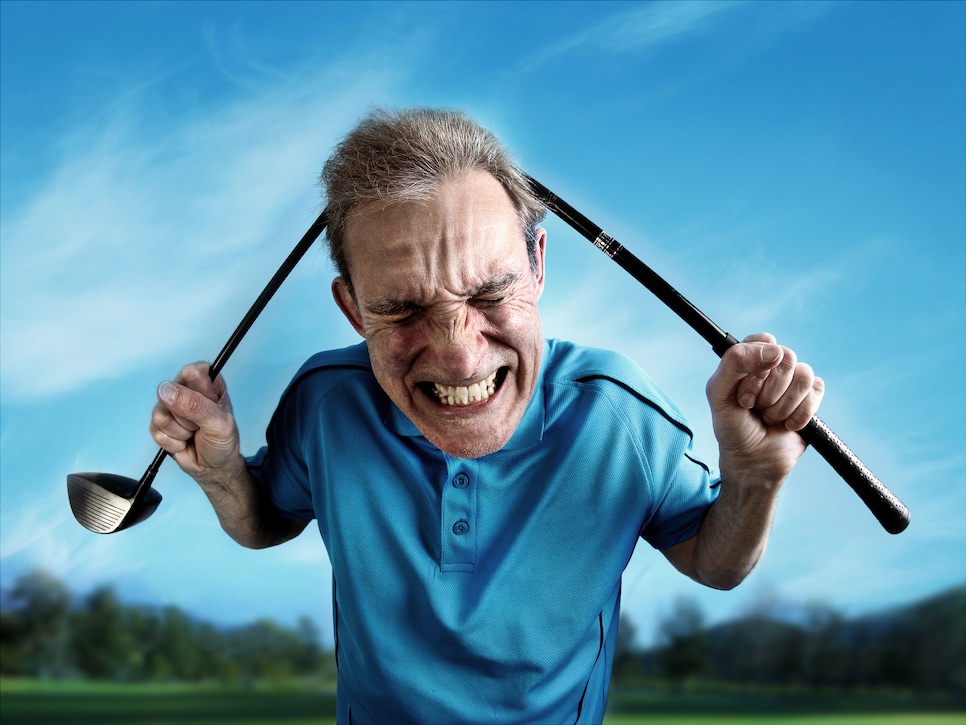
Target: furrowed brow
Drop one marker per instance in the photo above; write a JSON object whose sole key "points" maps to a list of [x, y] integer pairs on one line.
{"points": [[497, 285], [388, 307], [393, 308]]}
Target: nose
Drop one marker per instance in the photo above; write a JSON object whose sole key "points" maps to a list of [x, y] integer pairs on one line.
{"points": [[457, 345]]}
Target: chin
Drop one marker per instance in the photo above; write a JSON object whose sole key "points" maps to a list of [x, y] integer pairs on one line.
{"points": [[470, 445]]}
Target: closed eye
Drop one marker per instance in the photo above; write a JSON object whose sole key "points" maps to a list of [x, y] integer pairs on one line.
{"points": [[394, 311], [489, 301], [494, 292]]}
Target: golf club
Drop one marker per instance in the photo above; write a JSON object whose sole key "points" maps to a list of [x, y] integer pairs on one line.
{"points": [[105, 503], [888, 510]]}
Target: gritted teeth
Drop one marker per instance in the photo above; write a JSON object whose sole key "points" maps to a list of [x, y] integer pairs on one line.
{"points": [[466, 394]]}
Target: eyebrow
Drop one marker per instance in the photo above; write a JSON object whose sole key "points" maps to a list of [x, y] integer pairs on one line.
{"points": [[496, 285], [390, 307], [387, 307]]}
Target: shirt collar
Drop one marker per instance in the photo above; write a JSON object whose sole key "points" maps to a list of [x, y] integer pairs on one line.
{"points": [[528, 432]]}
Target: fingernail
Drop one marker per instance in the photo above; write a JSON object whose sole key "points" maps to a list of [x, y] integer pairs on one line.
{"points": [[747, 401], [770, 353], [167, 392]]}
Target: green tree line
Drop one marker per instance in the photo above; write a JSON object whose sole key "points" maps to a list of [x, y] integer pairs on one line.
{"points": [[921, 647], [44, 632]]}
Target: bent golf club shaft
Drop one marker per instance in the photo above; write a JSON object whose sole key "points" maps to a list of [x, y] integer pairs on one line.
{"points": [[884, 505], [236, 337]]}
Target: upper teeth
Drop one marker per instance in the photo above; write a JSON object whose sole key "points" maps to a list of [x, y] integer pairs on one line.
{"points": [[464, 395]]}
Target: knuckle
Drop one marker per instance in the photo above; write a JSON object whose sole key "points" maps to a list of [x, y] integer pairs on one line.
{"points": [[744, 357], [194, 405], [194, 374], [766, 337], [159, 416], [798, 420], [171, 445]]}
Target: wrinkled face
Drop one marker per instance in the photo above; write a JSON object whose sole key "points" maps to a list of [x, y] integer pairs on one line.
{"points": [[447, 302]]}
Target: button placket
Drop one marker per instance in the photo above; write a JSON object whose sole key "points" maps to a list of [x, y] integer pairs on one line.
{"points": [[458, 518]]}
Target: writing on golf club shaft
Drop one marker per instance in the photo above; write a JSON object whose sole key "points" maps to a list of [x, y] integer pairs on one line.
{"points": [[884, 505], [105, 503]]}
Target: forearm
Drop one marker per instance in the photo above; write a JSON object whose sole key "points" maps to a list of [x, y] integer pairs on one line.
{"points": [[244, 511], [733, 535], [734, 531], [759, 396]]}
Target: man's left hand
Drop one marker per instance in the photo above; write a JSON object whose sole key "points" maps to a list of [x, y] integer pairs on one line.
{"points": [[760, 397]]}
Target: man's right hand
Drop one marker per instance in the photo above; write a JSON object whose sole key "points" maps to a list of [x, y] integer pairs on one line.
{"points": [[193, 422]]}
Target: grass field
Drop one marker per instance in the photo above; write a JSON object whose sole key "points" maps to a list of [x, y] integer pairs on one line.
{"points": [[661, 708], [33, 703], [90, 704]]}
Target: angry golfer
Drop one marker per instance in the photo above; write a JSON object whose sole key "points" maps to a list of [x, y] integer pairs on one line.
{"points": [[480, 489]]}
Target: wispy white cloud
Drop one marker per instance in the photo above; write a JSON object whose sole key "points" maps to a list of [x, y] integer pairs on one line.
{"points": [[647, 27], [644, 27], [652, 24], [145, 229], [232, 57]]}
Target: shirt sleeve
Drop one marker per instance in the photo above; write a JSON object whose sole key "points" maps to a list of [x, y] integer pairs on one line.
{"points": [[679, 488], [690, 490], [280, 467]]}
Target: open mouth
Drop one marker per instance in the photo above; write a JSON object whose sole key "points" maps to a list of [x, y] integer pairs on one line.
{"points": [[459, 395]]}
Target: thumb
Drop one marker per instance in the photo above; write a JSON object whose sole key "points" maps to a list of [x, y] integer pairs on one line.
{"points": [[187, 405]]}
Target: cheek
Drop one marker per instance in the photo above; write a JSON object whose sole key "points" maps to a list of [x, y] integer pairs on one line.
{"points": [[517, 323], [392, 351]]}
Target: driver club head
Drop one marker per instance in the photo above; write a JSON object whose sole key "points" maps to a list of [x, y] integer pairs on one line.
{"points": [[105, 503]]}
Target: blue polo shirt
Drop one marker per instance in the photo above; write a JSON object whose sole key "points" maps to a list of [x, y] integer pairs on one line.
{"points": [[485, 590]]}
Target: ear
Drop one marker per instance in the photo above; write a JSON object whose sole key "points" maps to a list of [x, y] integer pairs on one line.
{"points": [[343, 298], [541, 254]]}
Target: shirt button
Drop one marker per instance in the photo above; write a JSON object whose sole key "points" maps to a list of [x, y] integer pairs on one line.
{"points": [[461, 480], [460, 527]]}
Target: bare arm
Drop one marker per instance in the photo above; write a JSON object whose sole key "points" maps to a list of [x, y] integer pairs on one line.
{"points": [[760, 397], [193, 421]]}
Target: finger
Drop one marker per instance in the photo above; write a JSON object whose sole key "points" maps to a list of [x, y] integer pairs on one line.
{"points": [[196, 377], [170, 431], [778, 381], [794, 391], [797, 419], [766, 337], [193, 411], [165, 423], [742, 373], [170, 443], [749, 389]]}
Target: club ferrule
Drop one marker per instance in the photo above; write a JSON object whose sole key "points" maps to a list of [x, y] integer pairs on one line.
{"points": [[607, 244]]}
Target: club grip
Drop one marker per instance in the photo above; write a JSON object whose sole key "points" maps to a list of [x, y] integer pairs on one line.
{"points": [[883, 504]]}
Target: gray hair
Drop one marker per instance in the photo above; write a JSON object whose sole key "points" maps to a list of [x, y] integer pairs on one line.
{"points": [[398, 156]]}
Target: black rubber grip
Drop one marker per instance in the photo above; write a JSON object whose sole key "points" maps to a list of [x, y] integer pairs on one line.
{"points": [[883, 504]]}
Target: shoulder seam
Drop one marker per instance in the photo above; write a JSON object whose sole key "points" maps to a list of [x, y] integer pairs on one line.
{"points": [[638, 394]]}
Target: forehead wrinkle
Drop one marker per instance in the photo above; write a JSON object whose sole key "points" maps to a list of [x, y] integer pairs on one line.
{"points": [[414, 300], [427, 252]]}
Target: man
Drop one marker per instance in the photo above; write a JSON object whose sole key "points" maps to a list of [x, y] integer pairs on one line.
{"points": [[480, 489]]}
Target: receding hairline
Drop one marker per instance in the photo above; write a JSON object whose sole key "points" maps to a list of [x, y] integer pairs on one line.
{"points": [[395, 156]]}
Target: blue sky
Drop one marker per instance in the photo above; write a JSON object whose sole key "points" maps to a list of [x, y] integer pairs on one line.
{"points": [[798, 168]]}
